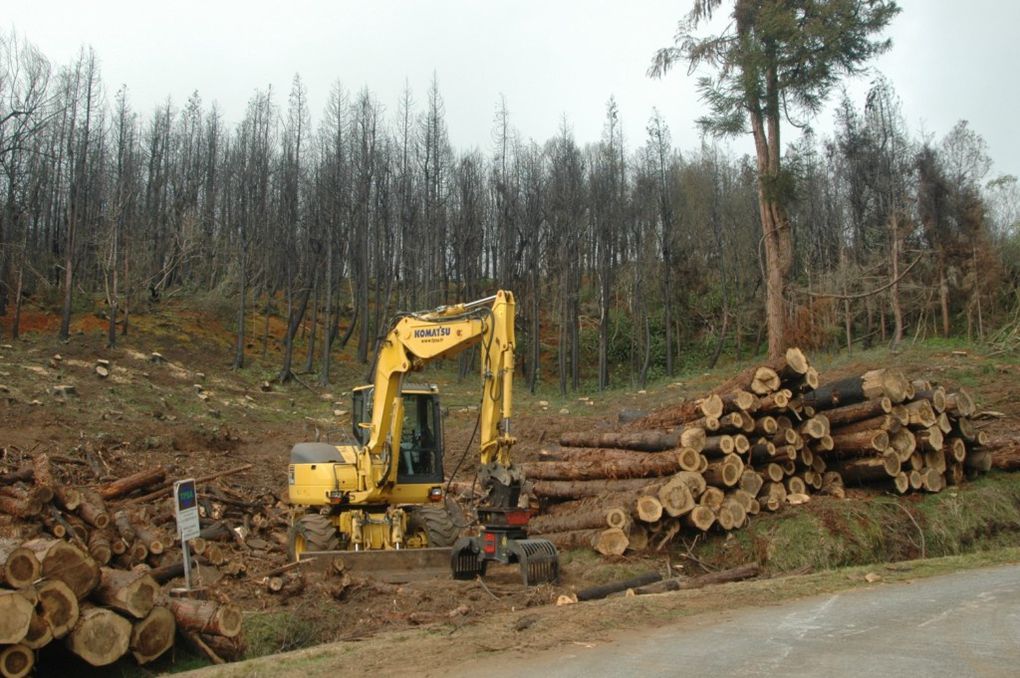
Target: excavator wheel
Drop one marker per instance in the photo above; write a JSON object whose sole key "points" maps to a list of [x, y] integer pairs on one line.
{"points": [[311, 532], [441, 524]]}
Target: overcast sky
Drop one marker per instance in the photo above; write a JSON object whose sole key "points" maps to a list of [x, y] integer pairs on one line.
{"points": [[549, 58]]}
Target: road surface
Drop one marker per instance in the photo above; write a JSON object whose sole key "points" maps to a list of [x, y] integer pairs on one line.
{"points": [[963, 624]]}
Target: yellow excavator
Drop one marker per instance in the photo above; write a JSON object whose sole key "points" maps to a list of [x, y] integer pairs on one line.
{"points": [[378, 503]]}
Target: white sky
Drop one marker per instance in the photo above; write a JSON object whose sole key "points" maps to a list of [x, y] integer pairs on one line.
{"points": [[549, 58]]}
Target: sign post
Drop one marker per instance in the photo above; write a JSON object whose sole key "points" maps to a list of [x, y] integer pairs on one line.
{"points": [[186, 508]]}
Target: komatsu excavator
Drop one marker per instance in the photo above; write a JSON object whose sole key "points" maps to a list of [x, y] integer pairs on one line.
{"points": [[379, 502]]}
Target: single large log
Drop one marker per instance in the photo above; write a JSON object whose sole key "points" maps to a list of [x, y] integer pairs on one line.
{"points": [[861, 442], [869, 469], [686, 457], [725, 473], [588, 513], [675, 497], [662, 464], [603, 590], [575, 539], [135, 481], [886, 422], [903, 442], [576, 489], [66, 562], [869, 386], [687, 583], [751, 482], [206, 616], [92, 509], [16, 661], [644, 441], [168, 488], [153, 635], [717, 446], [740, 401], [132, 593], [58, 606], [930, 439], [847, 414], [18, 566], [19, 503], [100, 637], [700, 517], [42, 474], [67, 498], [960, 404], [612, 542], [100, 547], [15, 616]]}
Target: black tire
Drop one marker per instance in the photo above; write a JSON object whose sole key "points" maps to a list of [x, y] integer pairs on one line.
{"points": [[311, 532], [438, 523]]}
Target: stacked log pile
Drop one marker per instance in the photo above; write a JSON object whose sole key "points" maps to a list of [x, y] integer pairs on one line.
{"points": [[771, 435], [88, 566]]}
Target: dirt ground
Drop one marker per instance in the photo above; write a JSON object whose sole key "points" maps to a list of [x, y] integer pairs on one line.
{"points": [[194, 415]]}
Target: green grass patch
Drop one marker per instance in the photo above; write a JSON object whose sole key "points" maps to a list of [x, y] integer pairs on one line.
{"points": [[829, 533]]}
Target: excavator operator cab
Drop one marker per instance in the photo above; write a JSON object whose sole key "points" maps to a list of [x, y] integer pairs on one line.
{"points": [[420, 459]]}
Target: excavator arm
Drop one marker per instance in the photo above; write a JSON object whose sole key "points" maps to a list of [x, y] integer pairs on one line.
{"points": [[415, 339]]}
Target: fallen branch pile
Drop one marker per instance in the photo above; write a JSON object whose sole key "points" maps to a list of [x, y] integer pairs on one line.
{"points": [[769, 436], [88, 564]]}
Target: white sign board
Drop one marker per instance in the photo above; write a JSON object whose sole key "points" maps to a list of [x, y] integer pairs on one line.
{"points": [[186, 507]]}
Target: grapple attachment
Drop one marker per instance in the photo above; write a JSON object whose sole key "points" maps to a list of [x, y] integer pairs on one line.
{"points": [[537, 558]]}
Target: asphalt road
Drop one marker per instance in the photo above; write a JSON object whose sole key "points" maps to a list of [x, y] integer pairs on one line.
{"points": [[963, 624]]}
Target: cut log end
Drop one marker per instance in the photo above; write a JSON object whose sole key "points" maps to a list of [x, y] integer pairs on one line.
{"points": [[152, 636], [16, 661]]}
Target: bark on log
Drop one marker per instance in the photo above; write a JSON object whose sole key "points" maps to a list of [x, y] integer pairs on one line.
{"points": [[15, 616], [869, 386], [206, 616], [576, 489], [230, 649], [861, 442], [869, 469], [886, 422], [847, 414], [937, 397], [685, 412], [604, 590], [100, 637], [687, 583], [576, 539], [132, 593], [153, 635], [718, 445], [18, 566], [92, 509], [24, 506], [42, 474], [655, 465], [58, 606], [135, 481], [930, 439], [644, 441], [67, 498], [99, 547], [66, 562], [16, 661]]}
